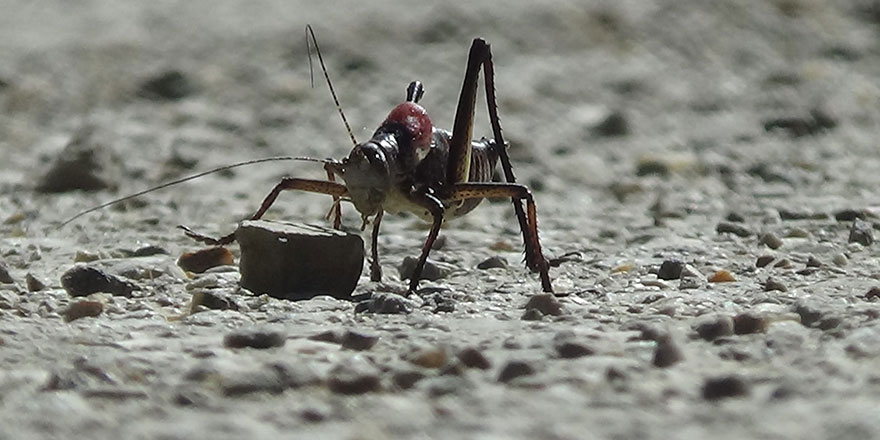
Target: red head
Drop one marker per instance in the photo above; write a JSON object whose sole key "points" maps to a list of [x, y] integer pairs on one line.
{"points": [[415, 121]]}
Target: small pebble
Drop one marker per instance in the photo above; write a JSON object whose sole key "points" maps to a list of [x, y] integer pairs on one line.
{"points": [[783, 263], [546, 303], [670, 270], [472, 357], [848, 215], [170, 85], [773, 284], [733, 228], [873, 294], [385, 303], [770, 240], [532, 315], [714, 327], [434, 357], [764, 260], [204, 259], [572, 350], [724, 387], [34, 284], [84, 280], [5, 277], [747, 323], [721, 276], [862, 232], [432, 271], [810, 312], [85, 308], [213, 300], [840, 260], [149, 250], [356, 376], [514, 369], [355, 340], [813, 262], [494, 262], [798, 233], [735, 217], [85, 257], [667, 353], [615, 124], [260, 339], [406, 379], [330, 336]]}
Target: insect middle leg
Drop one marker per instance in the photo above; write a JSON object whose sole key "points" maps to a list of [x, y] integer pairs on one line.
{"points": [[288, 183], [375, 267]]}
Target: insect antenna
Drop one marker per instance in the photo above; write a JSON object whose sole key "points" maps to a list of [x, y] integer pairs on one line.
{"points": [[192, 177], [311, 33]]}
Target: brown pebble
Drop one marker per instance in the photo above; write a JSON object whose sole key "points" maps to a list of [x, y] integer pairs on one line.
{"points": [[354, 340], [515, 369], [204, 259], [784, 263], [472, 357], [356, 377], [724, 387], [85, 308], [747, 323], [546, 303], [667, 353], [773, 284], [721, 276], [733, 228], [434, 357], [813, 262], [406, 379], [330, 336], [764, 260]]}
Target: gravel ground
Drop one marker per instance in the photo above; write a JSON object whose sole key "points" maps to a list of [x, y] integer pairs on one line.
{"points": [[706, 169]]}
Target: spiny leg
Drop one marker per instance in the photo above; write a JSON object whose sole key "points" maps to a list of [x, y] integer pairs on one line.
{"points": [[435, 207], [336, 210], [534, 256], [375, 267], [288, 183]]}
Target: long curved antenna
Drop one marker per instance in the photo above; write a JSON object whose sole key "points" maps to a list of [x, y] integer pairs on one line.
{"points": [[310, 32], [186, 179]]}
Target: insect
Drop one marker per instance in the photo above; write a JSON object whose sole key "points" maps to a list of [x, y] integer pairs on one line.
{"points": [[408, 165]]}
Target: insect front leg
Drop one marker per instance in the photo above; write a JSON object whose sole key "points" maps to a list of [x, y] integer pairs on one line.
{"points": [[288, 183], [534, 256], [375, 267]]}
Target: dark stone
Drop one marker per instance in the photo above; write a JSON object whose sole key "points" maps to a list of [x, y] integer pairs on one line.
{"points": [[652, 167], [330, 336], [532, 315], [170, 85], [406, 379], [149, 250], [715, 327], [873, 294], [515, 369], [254, 338], [573, 349], [813, 262], [733, 228], [5, 277], [773, 284], [33, 283], [472, 357], [432, 271], [816, 122], [385, 303], [861, 232], [747, 323], [215, 300], [615, 124], [86, 280], [494, 262], [355, 377], [735, 217], [84, 164], [667, 353], [546, 303], [771, 240], [293, 261], [359, 341], [724, 387], [670, 270], [848, 215], [764, 260]]}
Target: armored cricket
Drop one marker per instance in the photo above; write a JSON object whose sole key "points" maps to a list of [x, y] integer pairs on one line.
{"points": [[411, 166]]}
